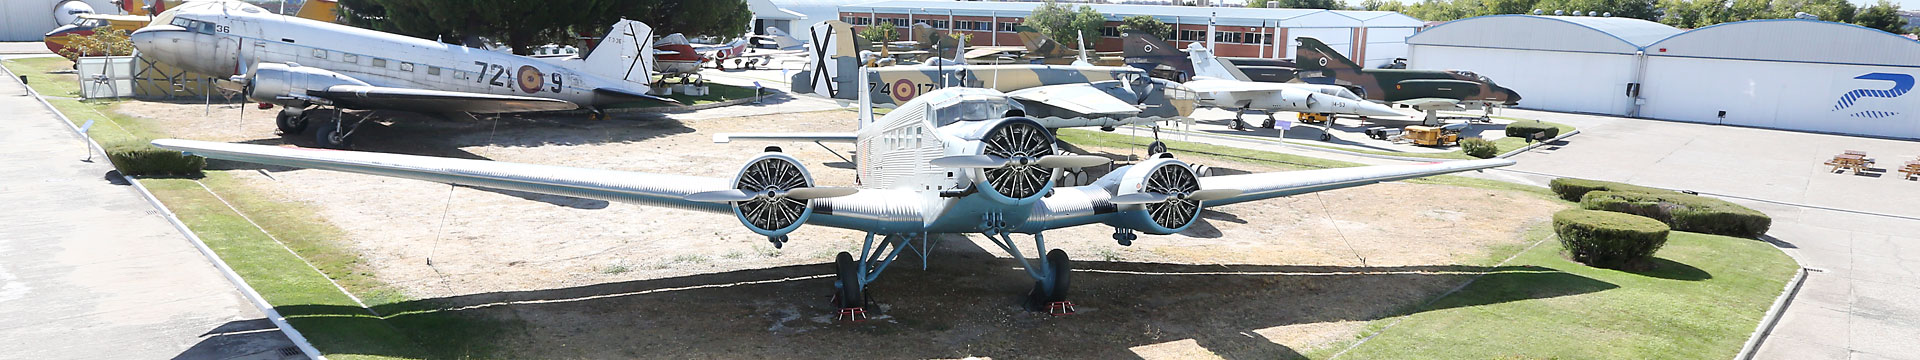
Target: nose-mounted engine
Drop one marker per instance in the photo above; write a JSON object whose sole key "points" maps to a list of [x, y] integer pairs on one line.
{"points": [[772, 195], [1162, 196], [1016, 162], [287, 85]]}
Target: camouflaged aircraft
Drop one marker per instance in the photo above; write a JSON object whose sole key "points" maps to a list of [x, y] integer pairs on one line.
{"points": [[1057, 95], [1426, 90]]}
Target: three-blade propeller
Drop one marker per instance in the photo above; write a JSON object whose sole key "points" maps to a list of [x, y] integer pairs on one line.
{"points": [[737, 195], [990, 161], [1149, 198]]}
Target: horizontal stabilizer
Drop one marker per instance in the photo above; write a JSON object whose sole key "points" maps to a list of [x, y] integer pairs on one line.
{"points": [[605, 96]]}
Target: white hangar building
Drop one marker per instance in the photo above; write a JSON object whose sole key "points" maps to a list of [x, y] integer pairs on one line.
{"points": [[1559, 63], [1790, 74], [1787, 74]]}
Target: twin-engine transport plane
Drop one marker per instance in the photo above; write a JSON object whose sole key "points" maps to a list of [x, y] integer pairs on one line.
{"points": [[948, 162], [299, 63]]}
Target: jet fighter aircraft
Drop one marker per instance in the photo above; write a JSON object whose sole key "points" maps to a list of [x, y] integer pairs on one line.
{"points": [[1220, 86], [953, 161], [1426, 90], [299, 63], [1057, 95]]}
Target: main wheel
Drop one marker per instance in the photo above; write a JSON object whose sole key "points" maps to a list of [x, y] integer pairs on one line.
{"points": [[329, 136], [290, 124], [850, 292], [1042, 294]]}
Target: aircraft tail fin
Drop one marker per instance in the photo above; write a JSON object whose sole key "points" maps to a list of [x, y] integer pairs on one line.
{"points": [[832, 53], [1146, 51], [783, 40], [1041, 45], [625, 53], [923, 36], [1315, 55], [319, 10], [1204, 64]]}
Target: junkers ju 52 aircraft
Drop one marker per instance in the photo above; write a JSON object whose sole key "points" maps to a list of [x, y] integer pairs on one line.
{"points": [[953, 161], [299, 63]]}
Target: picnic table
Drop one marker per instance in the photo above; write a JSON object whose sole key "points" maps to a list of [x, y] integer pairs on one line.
{"points": [[1912, 169], [1851, 160]]}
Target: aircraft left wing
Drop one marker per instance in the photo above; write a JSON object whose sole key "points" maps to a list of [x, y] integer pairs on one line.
{"points": [[1287, 183], [1424, 104], [1085, 99], [815, 136], [421, 100]]}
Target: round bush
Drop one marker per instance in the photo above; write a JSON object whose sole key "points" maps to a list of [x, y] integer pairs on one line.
{"points": [[1684, 212], [1608, 239], [1479, 148], [1572, 189], [140, 158], [1529, 129]]}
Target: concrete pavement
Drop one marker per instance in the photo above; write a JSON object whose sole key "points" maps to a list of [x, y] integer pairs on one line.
{"points": [[89, 270]]}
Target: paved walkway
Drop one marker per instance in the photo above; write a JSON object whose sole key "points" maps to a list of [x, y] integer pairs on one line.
{"points": [[24, 47], [89, 270]]}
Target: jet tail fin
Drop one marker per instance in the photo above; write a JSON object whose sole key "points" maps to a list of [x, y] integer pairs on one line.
{"points": [[832, 53], [1146, 51], [625, 53], [1041, 45], [1205, 65], [1312, 54]]}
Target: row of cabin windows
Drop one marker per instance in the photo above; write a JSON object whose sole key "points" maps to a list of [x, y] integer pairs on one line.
{"points": [[902, 139], [382, 63]]}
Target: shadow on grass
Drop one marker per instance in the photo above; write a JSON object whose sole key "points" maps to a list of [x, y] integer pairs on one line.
{"points": [[968, 304], [1672, 270]]}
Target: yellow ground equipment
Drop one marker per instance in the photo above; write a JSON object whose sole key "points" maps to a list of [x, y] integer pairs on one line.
{"points": [[1314, 118], [1448, 135]]}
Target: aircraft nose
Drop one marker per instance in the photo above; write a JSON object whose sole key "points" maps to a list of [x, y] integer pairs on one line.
{"points": [[1369, 108], [162, 42], [1513, 98]]}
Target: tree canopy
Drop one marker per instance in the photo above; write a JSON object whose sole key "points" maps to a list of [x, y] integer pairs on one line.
{"points": [[1064, 23], [1147, 24], [523, 24]]}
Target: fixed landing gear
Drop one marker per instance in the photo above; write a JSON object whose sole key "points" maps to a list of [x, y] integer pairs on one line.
{"points": [[1050, 274], [1238, 123], [338, 133], [291, 120], [848, 272]]}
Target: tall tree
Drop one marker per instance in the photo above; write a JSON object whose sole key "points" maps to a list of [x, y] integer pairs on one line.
{"points": [[1147, 24], [1883, 16], [1064, 23]]}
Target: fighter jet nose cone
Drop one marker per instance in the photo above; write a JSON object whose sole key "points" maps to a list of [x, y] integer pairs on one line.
{"points": [[1513, 98], [1370, 108]]}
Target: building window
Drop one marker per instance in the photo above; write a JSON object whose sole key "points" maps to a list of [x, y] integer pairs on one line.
{"points": [[433, 70], [1109, 31], [897, 22], [380, 63], [1193, 35], [319, 53], [1009, 26], [857, 20]]}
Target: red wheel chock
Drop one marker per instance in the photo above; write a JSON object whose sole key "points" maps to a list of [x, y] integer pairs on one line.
{"points": [[1060, 308], [852, 314]]}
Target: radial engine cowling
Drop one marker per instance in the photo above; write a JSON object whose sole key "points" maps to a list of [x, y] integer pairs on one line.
{"points": [[287, 84], [1170, 184], [769, 178], [1022, 179]]}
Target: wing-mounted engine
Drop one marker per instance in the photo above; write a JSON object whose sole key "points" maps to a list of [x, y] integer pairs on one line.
{"points": [[287, 84], [1016, 160], [772, 195], [1161, 196]]}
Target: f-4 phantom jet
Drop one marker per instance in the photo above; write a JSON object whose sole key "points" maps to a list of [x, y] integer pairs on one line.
{"points": [[299, 64], [954, 161]]}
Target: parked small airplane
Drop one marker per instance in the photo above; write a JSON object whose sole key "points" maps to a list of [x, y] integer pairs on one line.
{"points": [[299, 63], [1426, 90], [1058, 95], [1217, 85], [137, 17], [967, 164], [675, 57]]}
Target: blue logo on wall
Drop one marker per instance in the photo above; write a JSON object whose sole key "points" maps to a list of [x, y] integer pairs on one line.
{"points": [[1901, 84]]}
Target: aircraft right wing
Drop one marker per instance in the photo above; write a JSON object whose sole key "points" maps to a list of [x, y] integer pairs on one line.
{"points": [[421, 100], [1288, 183], [1085, 99], [1217, 85], [848, 137]]}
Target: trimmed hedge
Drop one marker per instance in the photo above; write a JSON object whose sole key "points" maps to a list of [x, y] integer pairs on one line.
{"points": [[140, 158], [1571, 189], [1479, 148], [1608, 239], [1684, 212], [1527, 129]]}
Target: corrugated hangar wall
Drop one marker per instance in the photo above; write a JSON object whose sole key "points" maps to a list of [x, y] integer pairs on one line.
{"points": [[1787, 74], [1558, 63]]}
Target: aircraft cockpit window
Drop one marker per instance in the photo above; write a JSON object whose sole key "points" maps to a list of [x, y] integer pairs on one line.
{"points": [[183, 23], [970, 110], [1484, 79], [206, 27]]}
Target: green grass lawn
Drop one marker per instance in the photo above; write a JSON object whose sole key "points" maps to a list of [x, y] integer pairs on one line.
{"points": [[716, 92], [1705, 298], [1503, 145]]}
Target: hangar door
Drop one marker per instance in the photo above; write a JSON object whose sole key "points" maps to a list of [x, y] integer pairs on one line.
{"points": [[1340, 39], [1546, 80], [1384, 45], [1845, 99]]}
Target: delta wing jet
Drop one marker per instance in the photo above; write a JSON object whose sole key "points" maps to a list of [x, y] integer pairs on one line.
{"points": [[299, 64], [954, 161], [1426, 90], [1059, 95]]}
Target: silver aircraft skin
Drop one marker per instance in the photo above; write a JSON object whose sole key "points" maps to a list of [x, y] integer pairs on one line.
{"points": [[299, 63], [1218, 87], [955, 161]]}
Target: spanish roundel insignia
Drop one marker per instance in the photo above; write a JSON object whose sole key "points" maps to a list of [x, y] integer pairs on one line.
{"points": [[530, 79], [904, 90]]}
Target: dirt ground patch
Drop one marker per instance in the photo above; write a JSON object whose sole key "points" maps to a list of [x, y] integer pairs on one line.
{"points": [[593, 279]]}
